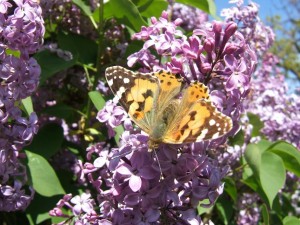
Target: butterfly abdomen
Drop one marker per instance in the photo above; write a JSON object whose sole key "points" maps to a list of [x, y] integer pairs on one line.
{"points": [[163, 121]]}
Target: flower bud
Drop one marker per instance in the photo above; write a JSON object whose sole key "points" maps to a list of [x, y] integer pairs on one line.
{"points": [[205, 67], [209, 45], [229, 49], [230, 30]]}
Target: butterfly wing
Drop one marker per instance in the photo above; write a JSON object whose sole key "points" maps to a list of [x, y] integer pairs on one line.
{"points": [[137, 93], [170, 86], [196, 118]]}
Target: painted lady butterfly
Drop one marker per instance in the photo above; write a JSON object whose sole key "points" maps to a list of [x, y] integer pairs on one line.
{"points": [[152, 102]]}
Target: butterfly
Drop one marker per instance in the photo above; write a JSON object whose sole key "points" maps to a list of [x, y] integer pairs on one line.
{"points": [[161, 105]]}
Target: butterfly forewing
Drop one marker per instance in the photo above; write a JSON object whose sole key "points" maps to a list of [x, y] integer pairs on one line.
{"points": [[137, 93], [170, 86]]}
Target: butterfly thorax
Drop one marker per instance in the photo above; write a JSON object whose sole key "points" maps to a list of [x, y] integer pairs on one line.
{"points": [[156, 136], [163, 120]]}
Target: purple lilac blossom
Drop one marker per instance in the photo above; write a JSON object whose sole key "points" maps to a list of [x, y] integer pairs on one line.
{"points": [[64, 12], [22, 31], [270, 100], [256, 33], [128, 180], [135, 186], [249, 210], [269, 97], [191, 17], [216, 54]]}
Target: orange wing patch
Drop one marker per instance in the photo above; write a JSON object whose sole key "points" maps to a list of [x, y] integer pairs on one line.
{"points": [[201, 122], [168, 81], [196, 91]]}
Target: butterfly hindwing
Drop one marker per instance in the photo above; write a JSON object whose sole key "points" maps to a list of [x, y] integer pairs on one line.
{"points": [[201, 122], [196, 118]]}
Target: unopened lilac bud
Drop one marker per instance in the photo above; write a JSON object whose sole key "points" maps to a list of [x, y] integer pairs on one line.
{"points": [[229, 49], [153, 20], [217, 28], [67, 197], [205, 67], [209, 45], [178, 21], [164, 15], [230, 30], [56, 212]]}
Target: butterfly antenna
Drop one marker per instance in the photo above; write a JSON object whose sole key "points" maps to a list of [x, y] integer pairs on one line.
{"points": [[156, 156]]}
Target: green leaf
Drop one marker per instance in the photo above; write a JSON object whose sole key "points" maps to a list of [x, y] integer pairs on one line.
{"points": [[291, 220], [230, 188], [201, 210], [149, 8], [27, 103], [225, 209], [85, 8], [97, 99], [265, 214], [272, 175], [126, 12], [253, 157], [254, 184], [60, 110], [51, 64], [119, 131], [289, 154], [47, 141], [237, 139], [83, 49], [205, 5], [44, 179], [212, 8], [38, 210], [15, 53], [257, 124]]}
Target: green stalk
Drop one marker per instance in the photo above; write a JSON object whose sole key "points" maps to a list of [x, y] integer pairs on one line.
{"points": [[99, 57]]}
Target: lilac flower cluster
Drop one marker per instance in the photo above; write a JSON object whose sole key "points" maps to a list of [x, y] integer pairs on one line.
{"points": [[216, 54], [113, 116], [131, 191], [191, 17], [269, 98], [69, 17], [63, 12], [259, 36], [271, 102], [248, 209], [21, 34], [135, 186]]}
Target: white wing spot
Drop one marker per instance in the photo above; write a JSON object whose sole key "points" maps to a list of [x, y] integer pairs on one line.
{"points": [[212, 122], [216, 135], [120, 91], [126, 80], [202, 135], [217, 125], [110, 82]]}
